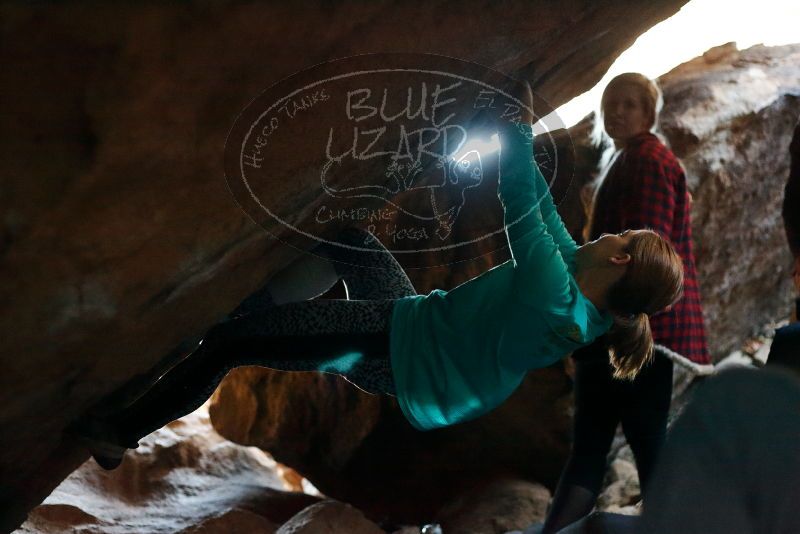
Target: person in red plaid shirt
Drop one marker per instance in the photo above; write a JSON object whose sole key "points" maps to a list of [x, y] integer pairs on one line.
{"points": [[644, 187]]}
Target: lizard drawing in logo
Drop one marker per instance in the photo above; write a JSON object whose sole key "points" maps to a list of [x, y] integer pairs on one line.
{"points": [[435, 192]]}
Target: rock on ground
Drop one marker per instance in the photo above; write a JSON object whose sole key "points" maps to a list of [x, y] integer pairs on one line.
{"points": [[183, 478], [234, 521], [329, 517], [499, 507], [622, 490]]}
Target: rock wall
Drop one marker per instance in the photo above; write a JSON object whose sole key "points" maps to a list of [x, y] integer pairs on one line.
{"points": [[729, 116], [183, 478], [118, 236]]}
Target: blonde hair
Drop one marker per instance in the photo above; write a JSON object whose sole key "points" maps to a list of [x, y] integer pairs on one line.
{"points": [[649, 93], [652, 281]]}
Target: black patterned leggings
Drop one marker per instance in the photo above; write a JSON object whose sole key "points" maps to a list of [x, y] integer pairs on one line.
{"points": [[350, 336]]}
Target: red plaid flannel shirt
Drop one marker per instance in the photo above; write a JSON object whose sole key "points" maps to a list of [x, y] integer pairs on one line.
{"points": [[646, 188]]}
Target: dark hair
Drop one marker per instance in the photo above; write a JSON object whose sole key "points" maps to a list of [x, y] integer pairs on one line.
{"points": [[652, 281]]}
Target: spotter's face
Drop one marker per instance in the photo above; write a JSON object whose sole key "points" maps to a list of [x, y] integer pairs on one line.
{"points": [[624, 114]]}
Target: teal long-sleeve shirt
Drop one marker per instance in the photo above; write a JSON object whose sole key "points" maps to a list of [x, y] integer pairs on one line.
{"points": [[458, 354]]}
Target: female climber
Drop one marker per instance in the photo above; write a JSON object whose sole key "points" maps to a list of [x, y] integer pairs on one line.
{"points": [[448, 356], [644, 187]]}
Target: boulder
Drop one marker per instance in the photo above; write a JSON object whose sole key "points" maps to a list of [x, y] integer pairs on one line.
{"points": [[499, 507], [233, 521], [119, 237], [623, 488], [329, 517], [729, 116], [395, 471], [182, 478]]}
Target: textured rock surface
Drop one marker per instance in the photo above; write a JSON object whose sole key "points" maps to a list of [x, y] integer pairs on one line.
{"points": [[329, 517], [118, 236], [501, 506], [622, 490], [234, 521], [729, 116], [395, 471], [183, 478]]}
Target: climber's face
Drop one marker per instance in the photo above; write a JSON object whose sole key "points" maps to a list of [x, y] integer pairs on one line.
{"points": [[624, 113]]}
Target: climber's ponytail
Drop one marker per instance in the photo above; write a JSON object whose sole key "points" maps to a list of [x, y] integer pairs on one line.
{"points": [[652, 281], [630, 344]]}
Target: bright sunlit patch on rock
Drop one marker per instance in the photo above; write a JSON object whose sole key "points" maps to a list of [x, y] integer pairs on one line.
{"points": [[688, 34]]}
